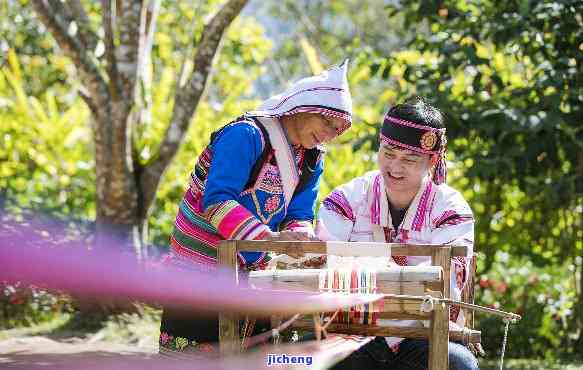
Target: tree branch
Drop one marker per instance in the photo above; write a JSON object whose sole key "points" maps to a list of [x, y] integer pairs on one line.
{"points": [[188, 97], [123, 69], [78, 13], [114, 86], [76, 18], [127, 52], [143, 101], [151, 14], [147, 29], [52, 18], [87, 99]]}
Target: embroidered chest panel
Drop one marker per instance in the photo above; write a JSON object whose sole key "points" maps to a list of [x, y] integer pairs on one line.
{"points": [[269, 180]]}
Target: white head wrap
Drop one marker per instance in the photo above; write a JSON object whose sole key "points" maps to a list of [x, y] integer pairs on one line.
{"points": [[327, 94]]}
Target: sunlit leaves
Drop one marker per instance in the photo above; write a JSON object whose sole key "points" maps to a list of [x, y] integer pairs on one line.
{"points": [[45, 151]]}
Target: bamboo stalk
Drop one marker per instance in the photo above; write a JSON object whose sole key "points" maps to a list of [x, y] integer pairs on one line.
{"points": [[451, 302], [507, 315]]}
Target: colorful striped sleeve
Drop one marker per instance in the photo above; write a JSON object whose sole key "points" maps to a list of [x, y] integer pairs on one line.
{"points": [[233, 221], [337, 214], [338, 203]]}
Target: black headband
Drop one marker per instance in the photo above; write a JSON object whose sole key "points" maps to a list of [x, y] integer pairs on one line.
{"points": [[412, 136]]}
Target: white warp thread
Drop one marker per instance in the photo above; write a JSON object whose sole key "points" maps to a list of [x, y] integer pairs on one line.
{"points": [[358, 249]]}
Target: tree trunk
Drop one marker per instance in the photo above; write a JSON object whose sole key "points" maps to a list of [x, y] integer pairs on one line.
{"points": [[125, 187], [2, 201], [116, 189]]}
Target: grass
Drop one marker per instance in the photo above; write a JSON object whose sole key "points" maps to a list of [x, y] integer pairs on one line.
{"points": [[140, 329], [530, 364], [58, 321]]}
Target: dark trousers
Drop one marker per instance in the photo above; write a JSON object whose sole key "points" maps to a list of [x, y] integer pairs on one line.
{"points": [[413, 354]]}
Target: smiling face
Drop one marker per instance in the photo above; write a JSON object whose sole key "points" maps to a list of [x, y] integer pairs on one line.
{"points": [[403, 170], [311, 129]]}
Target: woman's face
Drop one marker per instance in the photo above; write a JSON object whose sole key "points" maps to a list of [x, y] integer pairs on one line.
{"points": [[402, 169], [311, 129]]}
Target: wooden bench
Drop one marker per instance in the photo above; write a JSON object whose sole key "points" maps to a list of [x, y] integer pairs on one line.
{"points": [[431, 280]]}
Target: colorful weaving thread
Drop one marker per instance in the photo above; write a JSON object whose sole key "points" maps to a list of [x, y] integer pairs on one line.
{"points": [[352, 281]]}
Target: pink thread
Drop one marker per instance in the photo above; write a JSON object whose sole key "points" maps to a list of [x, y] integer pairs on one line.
{"points": [[375, 206], [403, 122]]}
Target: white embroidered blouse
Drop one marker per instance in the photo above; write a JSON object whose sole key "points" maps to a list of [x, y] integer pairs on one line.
{"points": [[438, 214]]}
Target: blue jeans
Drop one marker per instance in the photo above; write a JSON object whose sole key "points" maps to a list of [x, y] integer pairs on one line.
{"points": [[413, 354]]}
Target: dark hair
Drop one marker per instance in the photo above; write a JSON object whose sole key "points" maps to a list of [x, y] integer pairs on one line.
{"points": [[419, 111]]}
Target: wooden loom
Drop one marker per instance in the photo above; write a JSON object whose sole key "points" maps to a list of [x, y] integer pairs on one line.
{"points": [[419, 281]]}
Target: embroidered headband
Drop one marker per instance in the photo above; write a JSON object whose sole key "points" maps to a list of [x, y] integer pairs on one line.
{"points": [[418, 138], [415, 137]]}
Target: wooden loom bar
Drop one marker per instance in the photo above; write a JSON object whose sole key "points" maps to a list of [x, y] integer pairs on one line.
{"points": [[318, 247], [228, 323], [473, 336], [439, 327], [386, 287], [439, 338], [390, 274], [414, 315]]}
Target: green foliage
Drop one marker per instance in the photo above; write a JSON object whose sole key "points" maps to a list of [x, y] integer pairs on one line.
{"points": [[22, 33], [544, 296], [45, 149], [337, 30]]}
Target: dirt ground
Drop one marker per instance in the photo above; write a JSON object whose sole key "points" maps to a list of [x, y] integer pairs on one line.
{"points": [[38, 352]]}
